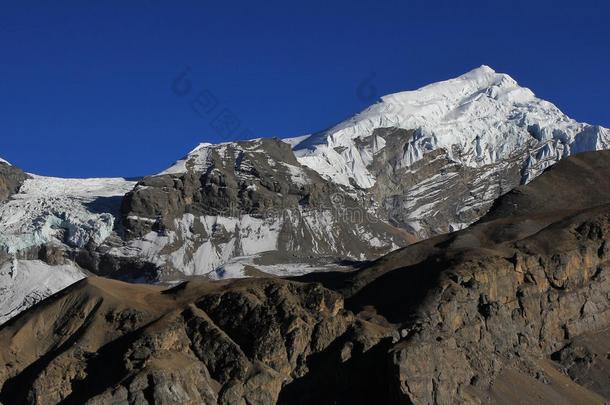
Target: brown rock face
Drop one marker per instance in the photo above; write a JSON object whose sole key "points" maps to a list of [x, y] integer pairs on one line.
{"points": [[490, 312], [515, 309], [11, 179], [105, 341]]}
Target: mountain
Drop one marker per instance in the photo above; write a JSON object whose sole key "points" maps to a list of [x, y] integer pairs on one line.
{"points": [[414, 165], [423, 162], [519, 299], [479, 118]]}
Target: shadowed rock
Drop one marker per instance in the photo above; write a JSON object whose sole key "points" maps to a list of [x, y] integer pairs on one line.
{"points": [[11, 178]]}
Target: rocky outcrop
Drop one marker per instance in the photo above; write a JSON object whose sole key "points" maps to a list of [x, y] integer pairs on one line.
{"points": [[245, 198], [436, 194], [247, 177], [490, 312], [11, 178]]}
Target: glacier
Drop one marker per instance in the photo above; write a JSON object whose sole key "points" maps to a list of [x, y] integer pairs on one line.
{"points": [[50, 210]]}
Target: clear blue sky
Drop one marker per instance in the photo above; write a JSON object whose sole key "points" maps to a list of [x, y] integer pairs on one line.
{"points": [[86, 86]]}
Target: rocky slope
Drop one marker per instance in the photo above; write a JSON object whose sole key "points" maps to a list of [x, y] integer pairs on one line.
{"points": [[522, 298], [414, 165]]}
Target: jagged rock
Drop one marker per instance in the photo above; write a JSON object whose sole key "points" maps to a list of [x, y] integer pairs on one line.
{"points": [[11, 179]]}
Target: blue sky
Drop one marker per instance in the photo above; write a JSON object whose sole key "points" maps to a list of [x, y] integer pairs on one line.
{"points": [[88, 88]]}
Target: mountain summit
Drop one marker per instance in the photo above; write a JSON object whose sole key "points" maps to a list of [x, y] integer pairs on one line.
{"points": [[479, 118]]}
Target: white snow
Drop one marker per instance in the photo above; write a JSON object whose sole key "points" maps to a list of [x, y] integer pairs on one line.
{"points": [[220, 241], [297, 174], [295, 141], [49, 210], [485, 115], [236, 268], [200, 158], [197, 157], [178, 167], [222, 238], [52, 209], [4, 161], [233, 268], [23, 283]]}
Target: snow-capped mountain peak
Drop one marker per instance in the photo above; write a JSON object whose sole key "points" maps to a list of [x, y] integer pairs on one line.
{"points": [[478, 118], [433, 102]]}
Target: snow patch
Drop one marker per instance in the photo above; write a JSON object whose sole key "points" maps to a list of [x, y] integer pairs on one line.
{"points": [[217, 240], [23, 283], [297, 174], [295, 141]]}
